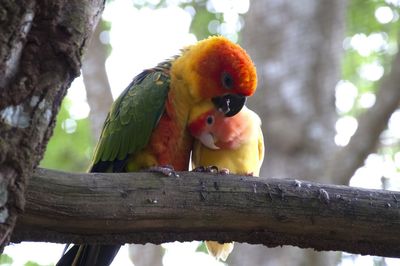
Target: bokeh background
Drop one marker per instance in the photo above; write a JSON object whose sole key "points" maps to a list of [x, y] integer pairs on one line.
{"points": [[325, 96]]}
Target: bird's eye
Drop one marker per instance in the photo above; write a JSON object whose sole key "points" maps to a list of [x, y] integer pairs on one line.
{"points": [[210, 120], [227, 80]]}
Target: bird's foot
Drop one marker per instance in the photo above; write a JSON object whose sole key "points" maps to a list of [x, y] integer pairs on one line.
{"points": [[199, 169], [224, 171], [204, 169], [212, 169], [209, 169], [166, 170]]}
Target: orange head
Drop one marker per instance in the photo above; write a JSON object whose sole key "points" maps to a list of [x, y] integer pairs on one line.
{"points": [[217, 131], [220, 70]]}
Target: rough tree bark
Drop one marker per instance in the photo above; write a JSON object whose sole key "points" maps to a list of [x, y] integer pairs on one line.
{"points": [[146, 207], [41, 44], [296, 46]]}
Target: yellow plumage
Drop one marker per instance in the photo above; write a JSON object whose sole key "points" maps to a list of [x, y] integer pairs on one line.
{"points": [[234, 143], [219, 251]]}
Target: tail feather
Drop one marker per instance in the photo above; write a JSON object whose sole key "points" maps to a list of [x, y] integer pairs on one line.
{"points": [[89, 255], [219, 251]]}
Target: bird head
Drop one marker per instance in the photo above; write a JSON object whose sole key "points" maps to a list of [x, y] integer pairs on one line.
{"points": [[216, 131], [220, 70]]}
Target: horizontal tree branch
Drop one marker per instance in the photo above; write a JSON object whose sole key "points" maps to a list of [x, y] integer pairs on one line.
{"points": [[147, 207]]}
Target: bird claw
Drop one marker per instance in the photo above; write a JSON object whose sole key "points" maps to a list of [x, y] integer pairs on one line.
{"points": [[204, 169], [209, 169], [224, 171], [212, 169], [166, 170], [199, 169]]}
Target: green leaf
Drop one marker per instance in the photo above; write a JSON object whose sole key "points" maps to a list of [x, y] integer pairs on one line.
{"points": [[31, 263], [5, 259], [202, 248]]}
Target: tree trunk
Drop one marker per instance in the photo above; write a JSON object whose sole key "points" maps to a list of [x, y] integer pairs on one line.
{"points": [[97, 87], [371, 123], [41, 44], [296, 46]]}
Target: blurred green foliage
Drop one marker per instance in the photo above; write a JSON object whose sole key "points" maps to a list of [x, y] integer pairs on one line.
{"points": [[106, 27], [362, 23], [32, 263], [202, 247], [206, 21], [5, 259], [202, 19], [70, 147], [374, 25]]}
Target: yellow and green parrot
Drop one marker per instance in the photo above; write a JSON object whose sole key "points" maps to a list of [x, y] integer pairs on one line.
{"points": [[147, 124], [230, 143]]}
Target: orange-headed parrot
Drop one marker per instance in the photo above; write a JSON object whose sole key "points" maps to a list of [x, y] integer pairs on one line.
{"points": [[147, 124]]}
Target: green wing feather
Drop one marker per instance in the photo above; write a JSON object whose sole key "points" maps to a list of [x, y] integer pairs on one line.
{"points": [[132, 118]]}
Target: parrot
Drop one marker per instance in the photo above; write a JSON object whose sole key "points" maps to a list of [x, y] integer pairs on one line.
{"points": [[146, 127], [233, 144]]}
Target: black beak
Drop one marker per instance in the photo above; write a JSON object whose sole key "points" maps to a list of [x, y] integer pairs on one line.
{"points": [[229, 104]]}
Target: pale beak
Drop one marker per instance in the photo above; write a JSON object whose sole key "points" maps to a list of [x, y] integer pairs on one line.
{"points": [[208, 140]]}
